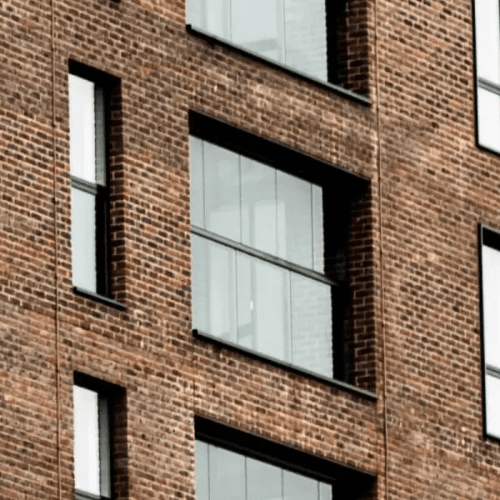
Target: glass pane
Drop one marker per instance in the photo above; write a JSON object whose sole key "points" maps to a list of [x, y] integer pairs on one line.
{"points": [[491, 305], [263, 307], [488, 40], [104, 448], [318, 229], [227, 474], [312, 347], [488, 110], [493, 406], [298, 487], [263, 480], [82, 128], [202, 481], [222, 191], [214, 289], [258, 26], [210, 15], [258, 206], [294, 219], [100, 138], [305, 35], [325, 491], [196, 150], [83, 231], [86, 440]]}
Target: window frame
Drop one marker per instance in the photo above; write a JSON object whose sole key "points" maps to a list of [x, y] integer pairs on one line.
{"points": [[313, 170], [481, 84], [491, 238], [101, 193], [347, 482], [105, 395]]}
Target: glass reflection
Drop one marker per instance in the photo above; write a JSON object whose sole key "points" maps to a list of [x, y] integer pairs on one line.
{"points": [[491, 306], [222, 191], [214, 289], [305, 35], [83, 231], [227, 474], [312, 325], [294, 219], [263, 307], [493, 405], [86, 427], [488, 110], [82, 128]]}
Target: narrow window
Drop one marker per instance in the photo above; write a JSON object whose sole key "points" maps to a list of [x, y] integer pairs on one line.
{"points": [[487, 32], [92, 443], [490, 263], [89, 185]]}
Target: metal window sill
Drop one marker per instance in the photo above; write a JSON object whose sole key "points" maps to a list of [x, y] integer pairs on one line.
{"points": [[354, 96], [283, 364], [100, 298]]}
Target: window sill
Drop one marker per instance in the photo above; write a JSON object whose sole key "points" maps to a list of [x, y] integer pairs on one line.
{"points": [[253, 55], [283, 364], [100, 298]]}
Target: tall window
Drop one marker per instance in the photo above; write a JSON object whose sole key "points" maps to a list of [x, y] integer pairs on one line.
{"points": [[92, 444], [490, 262], [89, 182], [487, 19], [269, 257], [290, 32]]}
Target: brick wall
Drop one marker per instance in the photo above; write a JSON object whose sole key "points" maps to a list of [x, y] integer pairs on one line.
{"points": [[436, 186]]}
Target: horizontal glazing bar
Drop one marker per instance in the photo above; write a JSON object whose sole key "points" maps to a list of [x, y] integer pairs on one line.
{"points": [[487, 85], [308, 273]]}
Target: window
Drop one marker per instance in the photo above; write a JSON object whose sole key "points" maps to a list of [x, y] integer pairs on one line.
{"points": [[92, 443], [270, 253], [232, 465], [487, 32], [293, 33], [89, 185], [490, 263]]}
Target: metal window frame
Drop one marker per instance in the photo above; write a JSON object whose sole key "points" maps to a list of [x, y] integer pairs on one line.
{"points": [[105, 440], [480, 83], [104, 83], [342, 186], [490, 237]]}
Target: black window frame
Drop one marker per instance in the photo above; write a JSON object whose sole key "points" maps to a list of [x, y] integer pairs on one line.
{"points": [[491, 238], [481, 83], [107, 395], [107, 84], [313, 170], [347, 482]]}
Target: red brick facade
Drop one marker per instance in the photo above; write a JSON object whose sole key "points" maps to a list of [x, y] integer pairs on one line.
{"points": [[410, 410]]}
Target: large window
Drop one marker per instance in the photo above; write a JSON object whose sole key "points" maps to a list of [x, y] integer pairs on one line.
{"points": [[89, 185], [233, 465], [487, 19], [291, 32], [271, 252], [490, 263], [92, 443]]}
